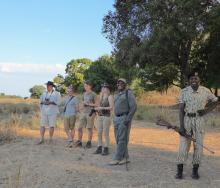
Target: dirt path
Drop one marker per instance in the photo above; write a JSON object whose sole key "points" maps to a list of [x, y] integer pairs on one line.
{"points": [[152, 155]]}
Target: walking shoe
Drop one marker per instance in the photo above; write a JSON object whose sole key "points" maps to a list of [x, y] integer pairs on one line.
{"points": [[78, 144], [114, 162], [105, 151], [179, 174], [123, 161], [69, 144], [195, 174], [40, 142], [98, 150], [88, 144]]}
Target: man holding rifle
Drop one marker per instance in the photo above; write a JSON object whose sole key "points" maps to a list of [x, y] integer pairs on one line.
{"points": [[195, 101]]}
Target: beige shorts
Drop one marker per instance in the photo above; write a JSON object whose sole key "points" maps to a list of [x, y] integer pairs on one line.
{"points": [[69, 122], [48, 120], [86, 121]]}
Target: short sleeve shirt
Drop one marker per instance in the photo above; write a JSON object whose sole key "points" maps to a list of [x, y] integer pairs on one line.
{"points": [[70, 104], [196, 100], [88, 97]]}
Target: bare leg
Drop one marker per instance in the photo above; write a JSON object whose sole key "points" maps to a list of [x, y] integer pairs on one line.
{"points": [[72, 134], [69, 136], [51, 132], [80, 134], [90, 134], [42, 132]]}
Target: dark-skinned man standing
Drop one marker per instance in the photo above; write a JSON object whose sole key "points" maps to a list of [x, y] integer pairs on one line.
{"points": [[125, 107], [193, 106]]}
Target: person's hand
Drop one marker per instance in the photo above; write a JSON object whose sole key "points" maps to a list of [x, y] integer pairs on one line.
{"points": [[126, 122], [98, 108], [46, 102], [182, 131], [201, 112]]}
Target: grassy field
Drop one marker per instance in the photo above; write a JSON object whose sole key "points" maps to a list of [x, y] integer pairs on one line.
{"points": [[152, 151]]}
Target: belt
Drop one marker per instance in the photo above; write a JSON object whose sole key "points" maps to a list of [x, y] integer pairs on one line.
{"points": [[119, 115], [191, 114], [105, 115]]}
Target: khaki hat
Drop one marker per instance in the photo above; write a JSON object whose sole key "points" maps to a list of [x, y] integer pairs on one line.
{"points": [[122, 80]]}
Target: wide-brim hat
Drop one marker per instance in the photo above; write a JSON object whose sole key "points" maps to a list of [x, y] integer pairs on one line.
{"points": [[122, 80], [50, 83]]}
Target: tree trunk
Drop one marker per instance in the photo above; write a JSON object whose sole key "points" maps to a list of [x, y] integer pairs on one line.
{"points": [[216, 91]]}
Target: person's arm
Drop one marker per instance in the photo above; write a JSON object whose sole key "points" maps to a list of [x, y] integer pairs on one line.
{"points": [[42, 99], [212, 104], [182, 130], [57, 99], [132, 107], [77, 106]]}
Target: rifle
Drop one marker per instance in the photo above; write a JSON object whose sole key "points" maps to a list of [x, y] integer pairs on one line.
{"points": [[163, 123]]}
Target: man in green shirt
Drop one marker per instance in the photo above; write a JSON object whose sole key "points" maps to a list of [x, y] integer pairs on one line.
{"points": [[125, 107]]}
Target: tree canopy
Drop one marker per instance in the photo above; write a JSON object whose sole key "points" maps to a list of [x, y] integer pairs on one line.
{"points": [[159, 39]]}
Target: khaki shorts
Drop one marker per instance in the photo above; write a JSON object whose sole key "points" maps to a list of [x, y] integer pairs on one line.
{"points": [[69, 122], [86, 121], [48, 120]]}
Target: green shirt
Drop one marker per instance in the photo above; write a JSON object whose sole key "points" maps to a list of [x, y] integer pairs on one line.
{"points": [[125, 104], [88, 97]]}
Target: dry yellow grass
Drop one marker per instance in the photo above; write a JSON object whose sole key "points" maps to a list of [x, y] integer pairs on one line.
{"points": [[12, 100], [157, 98]]}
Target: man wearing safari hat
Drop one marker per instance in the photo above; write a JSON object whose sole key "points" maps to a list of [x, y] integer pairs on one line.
{"points": [[193, 102], [49, 102], [124, 109]]}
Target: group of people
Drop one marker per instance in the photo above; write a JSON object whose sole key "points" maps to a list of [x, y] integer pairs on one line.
{"points": [[121, 108], [193, 102]]}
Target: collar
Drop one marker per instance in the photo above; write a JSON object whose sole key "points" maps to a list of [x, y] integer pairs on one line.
{"points": [[197, 91]]}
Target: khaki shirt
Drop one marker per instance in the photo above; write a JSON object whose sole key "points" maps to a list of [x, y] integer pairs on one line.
{"points": [[122, 105], [52, 97], [196, 100], [88, 98]]}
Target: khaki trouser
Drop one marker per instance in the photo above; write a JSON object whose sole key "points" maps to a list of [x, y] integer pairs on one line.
{"points": [[194, 126], [103, 125]]}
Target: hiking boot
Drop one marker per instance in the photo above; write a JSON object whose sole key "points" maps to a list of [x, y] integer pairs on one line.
{"points": [[78, 144], [69, 144], [88, 144], [195, 174], [114, 162], [179, 174], [40, 142], [123, 161], [98, 150], [105, 151]]}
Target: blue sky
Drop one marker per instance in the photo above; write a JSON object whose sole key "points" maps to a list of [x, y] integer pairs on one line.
{"points": [[38, 38]]}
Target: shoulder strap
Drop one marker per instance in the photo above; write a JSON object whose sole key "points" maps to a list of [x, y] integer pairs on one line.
{"points": [[127, 99], [67, 103]]}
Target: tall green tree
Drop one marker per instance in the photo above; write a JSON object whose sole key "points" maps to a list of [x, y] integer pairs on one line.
{"points": [[206, 52], [102, 70], [157, 37], [75, 71], [36, 91], [59, 80]]}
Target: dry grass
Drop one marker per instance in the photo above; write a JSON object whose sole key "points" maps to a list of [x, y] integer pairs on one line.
{"points": [[8, 133], [157, 98]]}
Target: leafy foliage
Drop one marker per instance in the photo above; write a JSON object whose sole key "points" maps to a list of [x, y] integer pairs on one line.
{"points": [[158, 39], [36, 91]]}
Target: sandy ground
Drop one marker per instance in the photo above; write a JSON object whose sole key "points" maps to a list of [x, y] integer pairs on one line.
{"points": [[23, 164]]}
